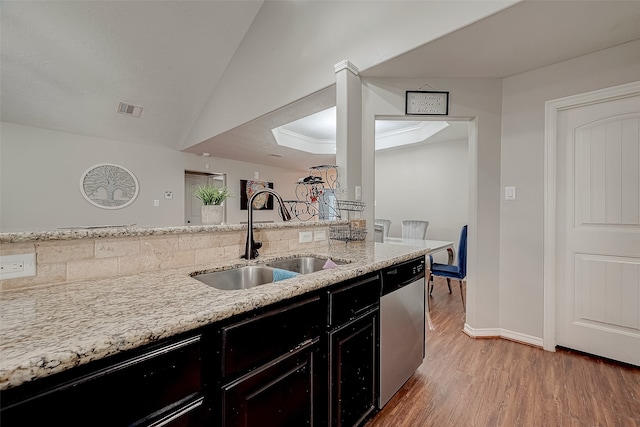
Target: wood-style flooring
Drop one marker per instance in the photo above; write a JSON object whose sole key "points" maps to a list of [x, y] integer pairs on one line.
{"points": [[496, 382]]}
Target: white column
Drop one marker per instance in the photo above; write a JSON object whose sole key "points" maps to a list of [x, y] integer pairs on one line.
{"points": [[348, 128]]}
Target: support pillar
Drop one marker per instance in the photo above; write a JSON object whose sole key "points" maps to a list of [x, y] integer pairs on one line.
{"points": [[348, 129]]}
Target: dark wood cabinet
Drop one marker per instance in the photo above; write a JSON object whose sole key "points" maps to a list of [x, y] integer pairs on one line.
{"points": [[308, 361], [163, 382], [265, 335], [352, 361], [352, 326], [280, 393], [269, 366]]}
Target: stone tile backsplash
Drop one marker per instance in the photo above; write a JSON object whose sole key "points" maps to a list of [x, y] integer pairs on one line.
{"points": [[63, 261]]}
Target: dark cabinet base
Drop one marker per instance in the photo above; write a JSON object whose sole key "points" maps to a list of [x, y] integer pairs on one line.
{"points": [[353, 368], [281, 393], [153, 384]]}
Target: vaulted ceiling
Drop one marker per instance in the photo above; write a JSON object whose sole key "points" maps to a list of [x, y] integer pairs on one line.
{"points": [[66, 65]]}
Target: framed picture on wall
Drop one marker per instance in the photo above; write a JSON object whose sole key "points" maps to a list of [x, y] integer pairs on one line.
{"points": [[248, 187], [426, 103], [109, 186]]}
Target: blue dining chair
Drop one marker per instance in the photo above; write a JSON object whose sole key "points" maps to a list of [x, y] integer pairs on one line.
{"points": [[458, 271]]}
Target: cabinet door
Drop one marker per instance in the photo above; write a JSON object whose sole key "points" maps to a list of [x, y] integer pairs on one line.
{"points": [[280, 393], [137, 390], [352, 371]]}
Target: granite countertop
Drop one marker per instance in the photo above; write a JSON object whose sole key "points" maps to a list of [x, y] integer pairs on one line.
{"points": [[50, 329], [92, 232]]}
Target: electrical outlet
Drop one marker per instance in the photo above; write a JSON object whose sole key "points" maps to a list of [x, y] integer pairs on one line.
{"points": [[319, 235], [305, 236], [14, 266]]}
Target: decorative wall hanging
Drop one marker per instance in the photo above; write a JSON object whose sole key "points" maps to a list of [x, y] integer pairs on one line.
{"points": [[425, 103], [262, 201], [316, 195], [109, 186]]}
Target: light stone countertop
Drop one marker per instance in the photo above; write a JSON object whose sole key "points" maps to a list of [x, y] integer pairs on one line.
{"points": [[50, 329], [91, 232]]}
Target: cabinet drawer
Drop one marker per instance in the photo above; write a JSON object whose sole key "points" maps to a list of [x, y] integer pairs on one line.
{"points": [[119, 394], [252, 342], [352, 300]]}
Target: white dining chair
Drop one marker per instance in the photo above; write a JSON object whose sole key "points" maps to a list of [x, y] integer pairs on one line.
{"points": [[385, 223], [414, 229], [378, 235]]}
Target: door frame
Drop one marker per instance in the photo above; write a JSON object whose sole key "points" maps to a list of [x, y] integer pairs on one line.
{"points": [[552, 110], [187, 197]]}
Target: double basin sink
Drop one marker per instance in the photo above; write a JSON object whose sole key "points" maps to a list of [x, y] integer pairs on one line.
{"points": [[250, 276]]}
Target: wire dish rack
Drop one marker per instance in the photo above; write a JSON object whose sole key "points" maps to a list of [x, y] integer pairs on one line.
{"points": [[347, 233]]}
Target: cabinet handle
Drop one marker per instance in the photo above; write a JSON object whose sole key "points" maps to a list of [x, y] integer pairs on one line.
{"points": [[171, 417]]}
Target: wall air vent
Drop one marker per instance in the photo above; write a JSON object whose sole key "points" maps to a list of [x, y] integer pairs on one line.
{"points": [[129, 110]]}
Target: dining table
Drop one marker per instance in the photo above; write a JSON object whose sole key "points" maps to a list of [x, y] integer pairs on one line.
{"points": [[433, 245]]}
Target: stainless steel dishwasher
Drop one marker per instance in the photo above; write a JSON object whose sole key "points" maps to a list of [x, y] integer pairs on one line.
{"points": [[402, 325]]}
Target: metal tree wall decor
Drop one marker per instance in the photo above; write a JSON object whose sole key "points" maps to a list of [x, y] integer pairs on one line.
{"points": [[109, 186]]}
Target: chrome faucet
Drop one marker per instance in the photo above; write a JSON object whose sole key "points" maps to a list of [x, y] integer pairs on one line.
{"points": [[251, 247]]}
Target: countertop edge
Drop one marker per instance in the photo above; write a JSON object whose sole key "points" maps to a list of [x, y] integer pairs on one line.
{"points": [[131, 231]]}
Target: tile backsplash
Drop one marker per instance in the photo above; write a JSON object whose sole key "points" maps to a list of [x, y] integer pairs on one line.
{"points": [[62, 261]]}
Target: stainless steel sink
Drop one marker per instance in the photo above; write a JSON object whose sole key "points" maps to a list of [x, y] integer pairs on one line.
{"points": [[237, 278], [250, 276], [302, 264]]}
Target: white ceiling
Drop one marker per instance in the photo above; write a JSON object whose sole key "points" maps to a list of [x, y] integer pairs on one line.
{"points": [[66, 65], [529, 35]]}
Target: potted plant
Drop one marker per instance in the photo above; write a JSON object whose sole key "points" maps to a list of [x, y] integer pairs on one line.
{"points": [[212, 198]]}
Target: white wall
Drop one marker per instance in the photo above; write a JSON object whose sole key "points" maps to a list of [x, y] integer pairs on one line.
{"points": [[294, 45], [479, 101], [40, 174], [284, 182], [427, 181], [522, 165]]}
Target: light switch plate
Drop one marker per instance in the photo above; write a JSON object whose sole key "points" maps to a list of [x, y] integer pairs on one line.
{"points": [[509, 193]]}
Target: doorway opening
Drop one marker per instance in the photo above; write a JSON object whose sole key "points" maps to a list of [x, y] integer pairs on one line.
{"points": [[422, 173], [192, 205]]}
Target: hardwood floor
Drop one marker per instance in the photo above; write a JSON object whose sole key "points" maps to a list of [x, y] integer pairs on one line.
{"points": [[495, 382]]}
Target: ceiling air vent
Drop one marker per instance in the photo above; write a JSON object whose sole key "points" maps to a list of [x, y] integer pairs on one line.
{"points": [[129, 110]]}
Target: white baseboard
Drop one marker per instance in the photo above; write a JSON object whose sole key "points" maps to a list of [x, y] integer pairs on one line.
{"points": [[503, 333]]}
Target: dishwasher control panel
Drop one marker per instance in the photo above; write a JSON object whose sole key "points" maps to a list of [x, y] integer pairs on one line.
{"points": [[402, 274]]}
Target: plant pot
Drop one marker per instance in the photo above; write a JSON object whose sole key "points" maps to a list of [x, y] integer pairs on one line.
{"points": [[212, 214]]}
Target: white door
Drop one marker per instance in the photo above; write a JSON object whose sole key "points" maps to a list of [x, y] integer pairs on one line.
{"points": [[192, 205], [598, 233]]}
